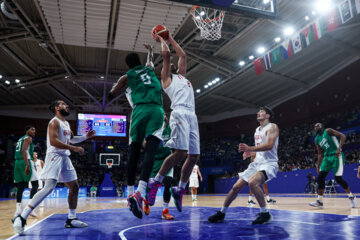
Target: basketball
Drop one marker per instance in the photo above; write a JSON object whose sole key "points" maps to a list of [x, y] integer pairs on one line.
{"points": [[162, 31]]}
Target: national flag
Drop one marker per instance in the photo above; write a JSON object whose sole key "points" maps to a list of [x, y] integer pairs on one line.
{"points": [[345, 11], [258, 66], [296, 42], [331, 20], [267, 61], [276, 56], [307, 36], [286, 49], [316, 29], [357, 4]]}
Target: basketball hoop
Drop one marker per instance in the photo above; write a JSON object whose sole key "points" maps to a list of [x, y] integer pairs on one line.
{"points": [[109, 164], [209, 21]]}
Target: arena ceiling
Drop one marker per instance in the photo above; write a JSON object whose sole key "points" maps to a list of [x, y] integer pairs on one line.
{"points": [[75, 50]]}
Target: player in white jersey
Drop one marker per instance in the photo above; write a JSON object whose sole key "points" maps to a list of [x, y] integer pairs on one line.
{"points": [[261, 170], [39, 164], [194, 181], [185, 139], [58, 166]]}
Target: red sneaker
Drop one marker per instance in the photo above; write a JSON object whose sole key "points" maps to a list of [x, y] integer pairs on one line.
{"points": [[135, 204], [166, 216]]}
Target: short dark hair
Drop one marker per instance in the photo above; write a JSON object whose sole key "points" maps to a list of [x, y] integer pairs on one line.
{"points": [[54, 104], [268, 111], [132, 60], [27, 127]]}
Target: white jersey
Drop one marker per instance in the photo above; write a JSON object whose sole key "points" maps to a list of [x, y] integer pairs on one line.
{"points": [[194, 173], [181, 92], [38, 167], [260, 139], [64, 136]]}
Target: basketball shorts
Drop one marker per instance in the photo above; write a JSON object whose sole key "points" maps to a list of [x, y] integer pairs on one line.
{"points": [[34, 176], [194, 182], [146, 120], [19, 171], [58, 167], [333, 162], [156, 167], [184, 131], [271, 169]]}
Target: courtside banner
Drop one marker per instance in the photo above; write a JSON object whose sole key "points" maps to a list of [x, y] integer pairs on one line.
{"points": [[57, 193]]}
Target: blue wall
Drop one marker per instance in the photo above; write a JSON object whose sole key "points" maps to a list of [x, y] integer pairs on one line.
{"points": [[294, 182], [57, 193]]}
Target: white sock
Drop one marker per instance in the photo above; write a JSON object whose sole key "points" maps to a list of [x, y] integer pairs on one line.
{"points": [[268, 197], [263, 209], [142, 188], [320, 198], [165, 205], [26, 212], [182, 184], [250, 198], [130, 190], [223, 209], [159, 177], [72, 213], [350, 194], [195, 196], [192, 196]]}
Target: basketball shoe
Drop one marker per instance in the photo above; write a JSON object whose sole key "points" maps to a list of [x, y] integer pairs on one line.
{"points": [[251, 203], [19, 224], [153, 186], [263, 218], [74, 223], [177, 193], [165, 215], [146, 207], [135, 204], [271, 201], [353, 201], [317, 204], [217, 217]]}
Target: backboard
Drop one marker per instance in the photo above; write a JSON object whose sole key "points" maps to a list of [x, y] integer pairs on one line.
{"points": [[112, 158], [256, 8]]}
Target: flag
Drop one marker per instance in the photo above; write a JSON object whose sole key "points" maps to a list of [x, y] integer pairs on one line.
{"points": [[286, 49], [345, 11], [307, 36], [357, 4], [258, 66], [276, 56], [296, 42], [267, 61], [316, 28], [331, 20]]}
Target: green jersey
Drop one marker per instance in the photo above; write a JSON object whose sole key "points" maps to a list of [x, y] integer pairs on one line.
{"points": [[163, 151], [19, 145], [328, 143], [143, 86]]}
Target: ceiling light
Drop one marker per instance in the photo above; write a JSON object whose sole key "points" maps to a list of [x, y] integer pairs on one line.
{"points": [[0, 76], [266, 1], [241, 63], [66, 77], [102, 77], [206, 86], [198, 90], [23, 87], [217, 79], [261, 50], [202, 13], [17, 80], [323, 6], [214, 81], [277, 39], [210, 83], [7, 82], [313, 13], [307, 18], [289, 31]]}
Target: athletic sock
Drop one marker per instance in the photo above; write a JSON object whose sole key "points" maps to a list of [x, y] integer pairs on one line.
{"points": [[130, 190], [250, 198], [182, 184], [263, 209], [350, 194], [195, 196], [320, 198], [267, 197], [72, 214], [159, 177], [26, 212], [192, 196], [142, 188], [165, 205], [223, 209]]}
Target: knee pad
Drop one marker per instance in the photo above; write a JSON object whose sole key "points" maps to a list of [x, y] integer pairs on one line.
{"points": [[341, 182]]}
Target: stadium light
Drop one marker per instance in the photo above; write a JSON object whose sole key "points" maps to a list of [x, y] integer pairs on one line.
{"points": [[241, 63], [22, 87], [0, 76], [210, 83], [261, 50], [102, 77], [277, 39], [217, 79], [7, 82], [313, 13], [307, 18], [206, 86], [17, 80], [289, 31], [214, 81], [198, 90], [251, 57], [323, 6], [266, 1]]}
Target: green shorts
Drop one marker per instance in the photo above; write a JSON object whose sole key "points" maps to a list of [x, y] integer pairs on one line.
{"points": [[333, 162], [146, 120], [156, 168], [19, 171]]}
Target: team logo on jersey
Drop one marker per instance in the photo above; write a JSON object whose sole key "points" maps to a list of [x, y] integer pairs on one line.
{"points": [[52, 159], [67, 133]]}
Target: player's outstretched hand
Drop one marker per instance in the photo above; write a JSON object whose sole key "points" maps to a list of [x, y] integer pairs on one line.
{"points": [[79, 150], [243, 147], [90, 134]]}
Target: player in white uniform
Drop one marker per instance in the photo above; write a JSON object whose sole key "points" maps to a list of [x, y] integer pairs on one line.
{"points": [[262, 169], [58, 166], [185, 139], [194, 181], [39, 164]]}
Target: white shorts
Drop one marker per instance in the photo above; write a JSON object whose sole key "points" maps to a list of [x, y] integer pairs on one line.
{"points": [[184, 131], [194, 182], [58, 167], [34, 176], [271, 169]]}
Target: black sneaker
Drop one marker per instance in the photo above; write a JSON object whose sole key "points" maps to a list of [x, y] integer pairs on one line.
{"points": [[251, 202], [263, 218], [271, 201], [217, 217], [74, 223]]}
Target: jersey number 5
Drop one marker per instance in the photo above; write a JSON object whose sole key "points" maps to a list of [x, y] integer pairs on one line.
{"points": [[145, 78]]}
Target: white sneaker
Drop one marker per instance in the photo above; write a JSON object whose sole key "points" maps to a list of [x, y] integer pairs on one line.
{"points": [[353, 201], [19, 224], [74, 223], [317, 204]]}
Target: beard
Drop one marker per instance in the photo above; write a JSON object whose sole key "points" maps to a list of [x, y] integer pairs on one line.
{"points": [[64, 113]]}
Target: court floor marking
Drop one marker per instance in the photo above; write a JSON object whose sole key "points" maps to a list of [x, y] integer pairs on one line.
{"points": [[122, 233], [31, 226]]}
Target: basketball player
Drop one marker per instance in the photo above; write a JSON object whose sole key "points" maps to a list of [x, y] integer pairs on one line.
{"points": [[58, 166], [262, 169], [330, 156], [194, 181], [33, 183], [268, 199], [160, 156], [185, 140], [144, 95], [22, 167], [39, 164]]}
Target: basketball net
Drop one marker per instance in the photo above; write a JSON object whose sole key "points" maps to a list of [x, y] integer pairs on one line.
{"points": [[209, 21], [109, 164]]}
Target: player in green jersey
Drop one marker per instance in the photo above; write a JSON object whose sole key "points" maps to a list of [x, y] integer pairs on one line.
{"points": [[330, 157], [144, 95], [162, 153], [22, 170]]}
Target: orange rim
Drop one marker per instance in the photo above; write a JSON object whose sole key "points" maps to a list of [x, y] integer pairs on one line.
{"points": [[222, 12]]}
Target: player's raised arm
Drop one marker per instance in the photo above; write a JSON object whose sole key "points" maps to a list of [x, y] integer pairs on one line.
{"points": [[117, 86], [166, 69], [149, 60], [181, 54]]}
